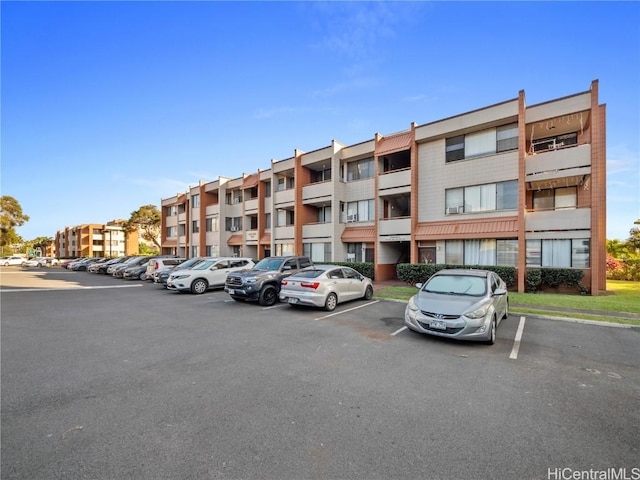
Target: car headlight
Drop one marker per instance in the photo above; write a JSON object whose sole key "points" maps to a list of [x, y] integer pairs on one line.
{"points": [[251, 279], [479, 313], [411, 305], [179, 277]]}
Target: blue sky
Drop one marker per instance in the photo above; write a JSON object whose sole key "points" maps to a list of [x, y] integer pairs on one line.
{"points": [[108, 106]]}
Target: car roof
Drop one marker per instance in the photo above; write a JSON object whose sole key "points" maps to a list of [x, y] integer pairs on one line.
{"points": [[464, 271]]}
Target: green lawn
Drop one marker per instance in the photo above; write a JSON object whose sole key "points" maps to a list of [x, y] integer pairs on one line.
{"points": [[620, 296]]}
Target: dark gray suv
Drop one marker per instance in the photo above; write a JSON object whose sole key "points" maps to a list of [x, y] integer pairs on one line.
{"points": [[262, 282]]}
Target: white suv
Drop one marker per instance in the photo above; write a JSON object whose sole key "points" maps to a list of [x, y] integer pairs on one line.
{"points": [[210, 273], [159, 263]]}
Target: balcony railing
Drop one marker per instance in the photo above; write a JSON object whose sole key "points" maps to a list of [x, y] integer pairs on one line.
{"points": [[560, 219]]}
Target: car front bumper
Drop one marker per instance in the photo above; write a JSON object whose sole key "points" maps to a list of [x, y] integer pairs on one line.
{"points": [[461, 328]]}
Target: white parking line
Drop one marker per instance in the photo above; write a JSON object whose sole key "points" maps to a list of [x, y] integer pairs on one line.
{"points": [[348, 310], [398, 331], [13, 290], [516, 342]]}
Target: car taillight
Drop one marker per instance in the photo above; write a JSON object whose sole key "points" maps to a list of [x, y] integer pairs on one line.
{"points": [[283, 282], [155, 266], [313, 285]]}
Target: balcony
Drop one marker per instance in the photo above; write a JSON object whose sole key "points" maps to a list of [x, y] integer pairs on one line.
{"points": [[395, 179], [317, 230], [317, 192], [251, 206], [283, 197], [558, 163], [284, 233], [561, 219], [395, 226]]}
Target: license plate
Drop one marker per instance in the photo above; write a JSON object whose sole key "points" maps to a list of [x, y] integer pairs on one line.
{"points": [[231, 291], [438, 324], [293, 300]]}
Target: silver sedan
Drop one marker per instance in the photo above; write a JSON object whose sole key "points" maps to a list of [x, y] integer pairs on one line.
{"points": [[325, 286], [461, 304]]}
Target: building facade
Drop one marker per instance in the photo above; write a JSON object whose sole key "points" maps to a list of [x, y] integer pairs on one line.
{"points": [[508, 184], [95, 240]]}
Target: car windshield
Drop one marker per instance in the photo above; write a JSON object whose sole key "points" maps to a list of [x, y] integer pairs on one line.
{"points": [[204, 265], [269, 264], [456, 285], [189, 263]]}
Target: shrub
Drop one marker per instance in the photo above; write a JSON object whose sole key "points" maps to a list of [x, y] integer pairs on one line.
{"points": [[413, 273], [533, 280]]}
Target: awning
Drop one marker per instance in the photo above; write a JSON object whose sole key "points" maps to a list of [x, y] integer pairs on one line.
{"points": [[250, 181], [359, 234], [235, 240], [485, 228], [169, 243], [394, 143], [265, 239]]}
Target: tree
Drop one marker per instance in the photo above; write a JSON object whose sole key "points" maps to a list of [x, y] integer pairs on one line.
{"points": [[11, 216], [633, 242], [616, 248], [148, 221]]}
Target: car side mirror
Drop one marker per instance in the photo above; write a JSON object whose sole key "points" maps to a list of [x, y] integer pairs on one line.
{"points": [[500, 291], [419, 286]]}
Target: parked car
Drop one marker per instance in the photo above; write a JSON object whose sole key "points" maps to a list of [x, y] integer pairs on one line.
{"points": [[163, 261], [325, 286], [262, 282], [13, 260], [119, 270], [462, 304], [41, 262], [161, 276], [123, 264], [137, 272], [210, 273], [68, 261], [82, 265]]}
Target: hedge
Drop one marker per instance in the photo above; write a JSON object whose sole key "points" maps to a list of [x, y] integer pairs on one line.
{"points": [[412, 273]]}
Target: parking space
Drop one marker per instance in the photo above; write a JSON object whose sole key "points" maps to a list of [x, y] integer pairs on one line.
{"points": [[169, 385]]}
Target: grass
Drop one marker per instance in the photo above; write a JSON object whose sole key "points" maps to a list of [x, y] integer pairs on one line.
{"points": [[620, 296]]}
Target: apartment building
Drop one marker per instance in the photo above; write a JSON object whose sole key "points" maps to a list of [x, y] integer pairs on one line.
{"points": [[95, 240], [507, 184]]}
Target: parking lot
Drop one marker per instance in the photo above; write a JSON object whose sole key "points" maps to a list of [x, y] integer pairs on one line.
{"points": [[110, 379]]}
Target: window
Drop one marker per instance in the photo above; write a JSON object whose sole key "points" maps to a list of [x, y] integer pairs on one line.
{"points": [[481, 252], [284, 249], [211, 224], [558, 253], [195, 226], [507, 137], [482, 198], [358, 252], [182, 230], [284, 218], [211, 251], [485, 142], [194, 251], [267, 220], [323, 175], [360, 170], [454, 149], [549, 199], [324, 215], [480, 143], [172, 211], [195, 201], [233, 224], [361, 211], [317, 252], [267, 188]]}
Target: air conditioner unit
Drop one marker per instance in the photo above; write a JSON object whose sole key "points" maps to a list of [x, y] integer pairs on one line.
{"points": [[234, 229], [352, 218], [452, 210]]}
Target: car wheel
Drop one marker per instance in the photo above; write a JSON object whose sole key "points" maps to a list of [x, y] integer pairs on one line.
{"points": [[268, 296], [331, 302], [368, 293], [199, 286], [143, 277], [492, 331]]}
